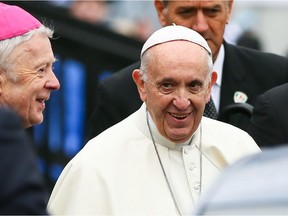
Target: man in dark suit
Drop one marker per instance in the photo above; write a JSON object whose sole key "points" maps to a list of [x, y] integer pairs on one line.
{"points": [[22, 187], [243, 73], [269, 120]]}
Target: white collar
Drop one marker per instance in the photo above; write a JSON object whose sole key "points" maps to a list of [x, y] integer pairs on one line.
{"points": [[218, 65]]}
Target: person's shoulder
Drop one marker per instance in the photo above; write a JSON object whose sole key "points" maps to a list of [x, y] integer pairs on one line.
{"points": [[109, 142], [230, 139], [119, 81], [281, 90], [253, 53], [219, 128], [6, 112], [116, 132], [123, 74], [273, 98], [9, 117]]}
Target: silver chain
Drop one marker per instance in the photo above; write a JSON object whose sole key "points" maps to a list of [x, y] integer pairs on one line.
{"points": [[162, 167], [200, 152]]}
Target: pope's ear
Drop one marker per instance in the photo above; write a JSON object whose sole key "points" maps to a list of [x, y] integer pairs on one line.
{"points": [[212, 82], [137, 77], [214, 77]]}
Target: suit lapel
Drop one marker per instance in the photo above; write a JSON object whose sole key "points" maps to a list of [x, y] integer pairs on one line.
{"points": [[232, 77]]}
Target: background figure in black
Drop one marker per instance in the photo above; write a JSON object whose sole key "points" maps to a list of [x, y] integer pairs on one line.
{"points": [[22, 186], [269, 121]]}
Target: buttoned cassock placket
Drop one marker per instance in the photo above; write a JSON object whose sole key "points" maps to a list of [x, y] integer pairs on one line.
{"points": [[185, 164]]}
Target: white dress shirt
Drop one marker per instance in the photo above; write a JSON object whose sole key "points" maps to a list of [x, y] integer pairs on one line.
{"points": [[216, 88]]}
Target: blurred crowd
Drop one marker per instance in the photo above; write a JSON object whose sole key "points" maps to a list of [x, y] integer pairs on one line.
{"points": [[127, 18], [124, 17]]}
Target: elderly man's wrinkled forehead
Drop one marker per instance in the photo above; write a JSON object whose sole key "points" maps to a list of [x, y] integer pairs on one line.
{"points": [[174, 52], [166, 2]]}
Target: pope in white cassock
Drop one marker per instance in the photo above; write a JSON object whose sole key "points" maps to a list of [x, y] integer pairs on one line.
{"points": [[161, 158]]}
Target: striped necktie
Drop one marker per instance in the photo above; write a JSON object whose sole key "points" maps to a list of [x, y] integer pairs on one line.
{"points": [[210, 110]]}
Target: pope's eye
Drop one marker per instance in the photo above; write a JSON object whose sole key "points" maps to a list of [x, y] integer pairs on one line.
{"points": [[195, 87], [166, 88]]}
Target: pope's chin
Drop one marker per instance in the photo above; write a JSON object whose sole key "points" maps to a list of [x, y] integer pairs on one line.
{"points": [[178, 135]]}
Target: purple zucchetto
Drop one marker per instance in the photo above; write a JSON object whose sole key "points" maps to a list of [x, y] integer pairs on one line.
{"points": [[14, 21]]}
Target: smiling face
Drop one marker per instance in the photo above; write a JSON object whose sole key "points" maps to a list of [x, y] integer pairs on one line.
{"points": [[177, 87], [207, 17], [33, 61]]}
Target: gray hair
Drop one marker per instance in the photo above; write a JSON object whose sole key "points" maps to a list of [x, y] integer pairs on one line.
{"points": [[165, 3], [146, 60], [8, 45]]}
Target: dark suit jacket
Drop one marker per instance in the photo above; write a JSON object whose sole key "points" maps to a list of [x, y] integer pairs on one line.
{"points": [[246, 70], [22, 189], [269, 121]]}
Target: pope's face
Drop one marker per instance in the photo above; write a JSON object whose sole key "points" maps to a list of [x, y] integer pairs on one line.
{"points": [[33, 61], [207, 17], [177, 88]]}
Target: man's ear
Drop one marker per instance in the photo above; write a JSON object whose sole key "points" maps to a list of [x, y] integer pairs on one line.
{"points": [[159, 5], [230, 5], [212, 82], [137, 77]]}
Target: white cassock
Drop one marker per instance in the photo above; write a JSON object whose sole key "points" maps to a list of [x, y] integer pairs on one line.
{"points": [[118, 172]]}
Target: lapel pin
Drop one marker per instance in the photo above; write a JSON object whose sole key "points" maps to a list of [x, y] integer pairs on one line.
{"points": [[240, 97]]}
